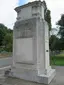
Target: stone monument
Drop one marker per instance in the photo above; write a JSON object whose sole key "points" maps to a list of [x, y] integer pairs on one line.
{"points": [[31, 44]]}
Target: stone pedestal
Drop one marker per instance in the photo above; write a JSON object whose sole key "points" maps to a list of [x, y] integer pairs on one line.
{"points": [[31, 44]]}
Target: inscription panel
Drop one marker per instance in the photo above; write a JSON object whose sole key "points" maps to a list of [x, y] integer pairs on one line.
{"points": [[24, 29], [24, 41], [24, 50]]}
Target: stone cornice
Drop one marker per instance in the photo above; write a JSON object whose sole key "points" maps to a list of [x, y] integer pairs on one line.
{"points": [[35, 3]]}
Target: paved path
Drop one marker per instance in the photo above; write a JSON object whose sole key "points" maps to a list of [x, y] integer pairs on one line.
{"points": [[5, 62], [58, 80]]}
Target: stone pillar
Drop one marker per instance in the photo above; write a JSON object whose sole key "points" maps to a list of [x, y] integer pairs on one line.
{"points": [[31, 44]]}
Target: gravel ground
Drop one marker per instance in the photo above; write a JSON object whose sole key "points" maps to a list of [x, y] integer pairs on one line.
{"points": [[58, 80]]}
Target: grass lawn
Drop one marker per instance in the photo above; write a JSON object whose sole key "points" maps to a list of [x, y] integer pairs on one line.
{"points": [[57, 60], [60, 55]]}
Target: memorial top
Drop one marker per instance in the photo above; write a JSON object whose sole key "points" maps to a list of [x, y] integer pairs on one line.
{"points": [[34, 3]]}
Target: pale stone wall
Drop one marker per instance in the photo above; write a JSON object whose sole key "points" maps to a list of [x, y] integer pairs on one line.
{"points": [[24, 50], [40, 46], [47, 60], [31, 44], [30, 12], [25, 13]]}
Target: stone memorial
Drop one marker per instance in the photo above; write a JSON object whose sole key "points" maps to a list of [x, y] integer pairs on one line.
{"points": [[31, 44]]}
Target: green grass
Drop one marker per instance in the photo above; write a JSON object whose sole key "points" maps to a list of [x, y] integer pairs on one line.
{"points": [[55, 60], [60, 55]]}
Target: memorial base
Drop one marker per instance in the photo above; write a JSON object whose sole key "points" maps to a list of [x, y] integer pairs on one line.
{"points": [[32, 75]]}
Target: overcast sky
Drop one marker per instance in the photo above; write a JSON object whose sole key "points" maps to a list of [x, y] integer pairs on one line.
{"points": [[57, 9], [8, 15]]}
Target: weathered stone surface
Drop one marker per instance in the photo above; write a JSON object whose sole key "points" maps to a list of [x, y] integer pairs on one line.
{"points": [[31, 45], [58, 79], [25, 28]]}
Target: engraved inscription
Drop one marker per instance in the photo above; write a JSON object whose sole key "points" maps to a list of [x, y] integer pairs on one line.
{"points": [[24, 29], [24, 33]]}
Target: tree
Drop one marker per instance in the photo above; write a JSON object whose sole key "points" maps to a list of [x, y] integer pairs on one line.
{"points": [[47, 15], [52, 42], [55, 43], [48, 18], [8, 42], [3, 30], [6, 38], [60, 23]]}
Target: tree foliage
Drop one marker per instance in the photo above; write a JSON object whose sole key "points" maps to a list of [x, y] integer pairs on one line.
{"points": [[7, 42], [6, 38], [47, 15], [48, 18], [53, 43], [3, 31], [60, 23], [61, 26]]}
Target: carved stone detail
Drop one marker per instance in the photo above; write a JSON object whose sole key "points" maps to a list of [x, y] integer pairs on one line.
{"points": [[24, 29]]}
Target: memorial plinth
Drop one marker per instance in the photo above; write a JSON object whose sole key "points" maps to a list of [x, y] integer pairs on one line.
{"points": [[31, 44]]}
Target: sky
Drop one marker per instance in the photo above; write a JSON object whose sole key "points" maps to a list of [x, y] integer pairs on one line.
{"points": [[8, 14]]}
